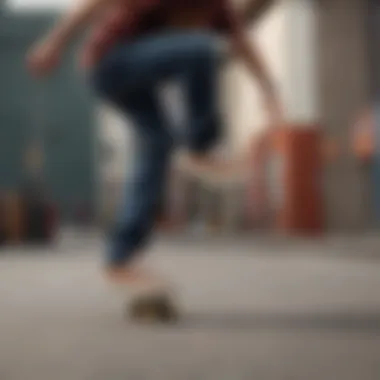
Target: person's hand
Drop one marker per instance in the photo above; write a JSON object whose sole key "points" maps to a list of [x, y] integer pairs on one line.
{"points": [[43, 57]]}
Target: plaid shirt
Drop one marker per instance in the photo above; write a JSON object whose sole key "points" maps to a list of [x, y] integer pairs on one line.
{"points": [[122, 23]]}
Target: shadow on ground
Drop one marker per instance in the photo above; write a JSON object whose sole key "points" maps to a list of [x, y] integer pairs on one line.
{"points": [[342, 321]]}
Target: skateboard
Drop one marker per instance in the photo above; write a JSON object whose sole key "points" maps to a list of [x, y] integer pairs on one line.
{"points": [[153, 308]]}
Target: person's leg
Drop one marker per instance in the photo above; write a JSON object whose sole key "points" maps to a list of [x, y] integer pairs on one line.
{"points": [[201, 91], [128, 77], [204, 124], [143, 192]]}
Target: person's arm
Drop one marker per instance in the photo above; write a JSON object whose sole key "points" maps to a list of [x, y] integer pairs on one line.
{"points": [[71, 23], [253, 60], [248, 51], [45, 55]]}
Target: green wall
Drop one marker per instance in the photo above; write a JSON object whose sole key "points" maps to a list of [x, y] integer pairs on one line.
{"points": [[61, 105]]}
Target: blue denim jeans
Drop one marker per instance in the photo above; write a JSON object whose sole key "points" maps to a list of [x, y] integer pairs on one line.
{"points": [[128, 77]]}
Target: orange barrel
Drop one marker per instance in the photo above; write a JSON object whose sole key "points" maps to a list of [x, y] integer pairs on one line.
{"points": [[293, 166]]}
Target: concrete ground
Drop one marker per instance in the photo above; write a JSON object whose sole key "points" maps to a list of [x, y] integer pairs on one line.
{"points": [[251, 310]]}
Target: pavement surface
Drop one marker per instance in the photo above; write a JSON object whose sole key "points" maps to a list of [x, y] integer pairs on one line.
{"points": [[251, 310]]}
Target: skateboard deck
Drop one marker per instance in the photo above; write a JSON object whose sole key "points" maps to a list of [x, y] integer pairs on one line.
{"points": [[153, 308], [150, 305]]}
